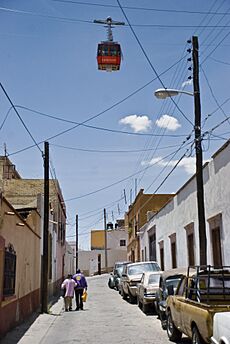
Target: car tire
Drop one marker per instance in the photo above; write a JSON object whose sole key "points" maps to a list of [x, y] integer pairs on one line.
{"points": [[132, 298], [110, 285], [196, 337], [123, 294], [173, 333], [139, 303], [145, 308]]}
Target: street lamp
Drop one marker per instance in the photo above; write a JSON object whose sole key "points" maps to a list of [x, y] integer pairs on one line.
{"points": [[163, 94]]}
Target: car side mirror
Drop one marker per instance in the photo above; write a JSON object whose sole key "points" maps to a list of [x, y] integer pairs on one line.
{"points": [[170, 289]]}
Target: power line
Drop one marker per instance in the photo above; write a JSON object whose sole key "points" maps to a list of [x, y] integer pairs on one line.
{"points": [[115, 183], [17, 113], [150, 63], [90, 126], [74, 20], [114, 151], [104, 111], [137, 8], [219, 61]]}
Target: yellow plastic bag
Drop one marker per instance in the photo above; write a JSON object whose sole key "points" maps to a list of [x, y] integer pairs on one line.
{"points": [[84, 296]]}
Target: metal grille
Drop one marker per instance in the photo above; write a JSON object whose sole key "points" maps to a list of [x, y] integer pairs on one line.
{"points": [[9, 273]]}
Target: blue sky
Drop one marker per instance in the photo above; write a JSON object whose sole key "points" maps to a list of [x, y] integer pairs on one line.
{"points": [[48, 65]]}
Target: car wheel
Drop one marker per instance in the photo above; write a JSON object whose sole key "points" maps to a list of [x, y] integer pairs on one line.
{"points": [[173, 333], [132, 298], [139, 303], [123, 294], [110, 284], [163, 320], [196, 337], [145, 308]]}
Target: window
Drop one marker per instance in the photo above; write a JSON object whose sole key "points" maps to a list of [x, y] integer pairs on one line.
{"points": [[162, 263], [9, 271], [215, 225], [173, 250], [122, 242], [190, 244]]}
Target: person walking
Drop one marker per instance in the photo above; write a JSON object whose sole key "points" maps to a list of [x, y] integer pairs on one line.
{"points": [[68, 285], [79, 289]]}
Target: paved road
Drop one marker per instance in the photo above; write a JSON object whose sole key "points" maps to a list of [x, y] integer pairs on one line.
{"points": [[106, 319]]}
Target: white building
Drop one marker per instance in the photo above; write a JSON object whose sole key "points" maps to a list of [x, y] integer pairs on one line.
{"points": [[175, 226], [93, 261]]}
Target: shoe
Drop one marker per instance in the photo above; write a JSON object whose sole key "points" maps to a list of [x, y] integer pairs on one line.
{"points": [[77, 309], [82, 308], [66, 310], [70, 309]]}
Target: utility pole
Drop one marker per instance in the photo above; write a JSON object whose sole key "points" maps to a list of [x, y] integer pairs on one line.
{"points": [[44, 277], [76, 243], [105, 239], [199, 155]]}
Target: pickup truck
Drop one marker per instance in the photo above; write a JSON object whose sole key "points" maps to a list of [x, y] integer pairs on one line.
{"points": [[199, 296], [221, 328]]}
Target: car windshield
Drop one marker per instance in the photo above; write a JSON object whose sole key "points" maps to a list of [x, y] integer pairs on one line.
{"points": [[173, 281], [140, 268], [119, 270], [154, 279]]}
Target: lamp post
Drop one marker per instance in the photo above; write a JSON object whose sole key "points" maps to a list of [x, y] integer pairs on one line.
{"points": [[163, 94]]}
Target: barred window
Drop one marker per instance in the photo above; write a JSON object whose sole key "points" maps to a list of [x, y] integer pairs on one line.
{"points": [[9, 271]]}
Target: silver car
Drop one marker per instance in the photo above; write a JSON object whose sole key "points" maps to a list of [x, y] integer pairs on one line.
{"points": [[131, 277], [146, 290]]}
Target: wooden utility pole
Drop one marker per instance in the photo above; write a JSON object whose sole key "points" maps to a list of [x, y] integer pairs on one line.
{"points": [[105, 239], [45, 255], [199, 154], [76, 243]]}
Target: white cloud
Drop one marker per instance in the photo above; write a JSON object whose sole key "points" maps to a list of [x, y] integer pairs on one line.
{"points": [[168, 122], [137, 123], [189, 164]]}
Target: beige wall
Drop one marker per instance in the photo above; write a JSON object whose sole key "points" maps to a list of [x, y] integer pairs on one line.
{"points": [[26, 242]]}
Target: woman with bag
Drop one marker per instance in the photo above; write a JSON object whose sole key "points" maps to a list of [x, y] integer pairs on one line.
{"points": [[80, 289]]}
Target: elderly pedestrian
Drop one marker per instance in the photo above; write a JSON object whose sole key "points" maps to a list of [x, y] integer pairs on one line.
{"points": [[80, 288], [68, 285]]}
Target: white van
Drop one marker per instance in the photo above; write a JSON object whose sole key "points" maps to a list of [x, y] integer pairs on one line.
{"points": [[221, 328]]}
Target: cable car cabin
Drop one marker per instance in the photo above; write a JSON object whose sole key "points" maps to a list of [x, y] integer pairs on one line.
{"points": [[109, 56]]}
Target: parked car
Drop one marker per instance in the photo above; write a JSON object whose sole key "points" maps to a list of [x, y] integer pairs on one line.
{"points": [[114, 278], [198, 297], [167, 278], [221, 328], [131, 276], [146, 290]]}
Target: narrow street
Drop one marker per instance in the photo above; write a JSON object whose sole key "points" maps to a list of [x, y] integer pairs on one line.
{"points": [[106, 319]]}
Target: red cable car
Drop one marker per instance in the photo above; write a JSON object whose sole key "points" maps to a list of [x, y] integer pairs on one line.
{"points": [[109, 56], [109, 52]]}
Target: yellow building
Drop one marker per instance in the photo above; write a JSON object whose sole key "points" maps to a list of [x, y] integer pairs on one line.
{"points": [[20, 263], [136, 217]]}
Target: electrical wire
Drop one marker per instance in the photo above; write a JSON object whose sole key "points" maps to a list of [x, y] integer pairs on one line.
{"points": [[219, 61], [102, 112], [213, 94], [150, 63], [90, 126], [137, 8], [114, 151], [74, 20], [113, 184], [17, 113]]}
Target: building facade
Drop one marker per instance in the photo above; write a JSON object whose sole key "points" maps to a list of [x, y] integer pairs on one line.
{"points": [[136, 217], [176, 224], [20, 257]]}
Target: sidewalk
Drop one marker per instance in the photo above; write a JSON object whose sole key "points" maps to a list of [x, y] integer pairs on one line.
{"points": [[35, 328]]}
